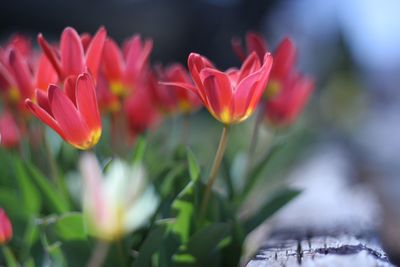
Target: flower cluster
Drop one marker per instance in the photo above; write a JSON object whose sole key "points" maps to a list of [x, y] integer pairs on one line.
{"points": [[67, 85], [288, 90], [84, 87]]}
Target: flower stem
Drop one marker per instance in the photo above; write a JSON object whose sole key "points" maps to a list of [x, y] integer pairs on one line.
{"points": [[214, 169], [99, 254]]}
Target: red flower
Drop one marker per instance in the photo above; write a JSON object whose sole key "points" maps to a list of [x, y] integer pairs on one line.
{"points": [[125, 70], [230, 96], [72, 113], [173, 98], [5, 228], [9, 132], [22, 71], [74, 59], [140, 111], [108, 102], [285, 107], [284, 58], [254, 43]]}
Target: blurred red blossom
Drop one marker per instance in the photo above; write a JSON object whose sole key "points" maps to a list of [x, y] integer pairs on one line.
{"points": [[10, 135], [170, 98], [6, 231], [126, 68]]}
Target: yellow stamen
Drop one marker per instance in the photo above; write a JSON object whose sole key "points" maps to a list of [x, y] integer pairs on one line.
{"points": [[225, 116], [117, 88], [273, 89], [184, 106], [13, 94]]}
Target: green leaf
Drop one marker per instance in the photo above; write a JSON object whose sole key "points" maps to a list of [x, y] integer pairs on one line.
{"points": [[150, 245], [194, 169], [270, 207], [256, 172], [10, 202], [30, 197], [183, 219], [53, 198], [70, 226], [29, 263]]}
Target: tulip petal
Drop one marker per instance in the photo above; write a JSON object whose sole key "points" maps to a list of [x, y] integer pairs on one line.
{"points": [[45, 117], [284, 59], [262, 81], [95, 51], [136, 58], [67, 116], [6, 79], [43, 101], [86, 101], [251, 88], [237, 48], [72, 56], [112, 59], [196, 63], [218, 90], [21, 74], [45, 74], [256, 43], [51, 55], [69, 88], [250, 65]]}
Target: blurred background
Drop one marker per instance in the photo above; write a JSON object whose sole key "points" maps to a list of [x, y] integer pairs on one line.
{"points": [[351, 48]]}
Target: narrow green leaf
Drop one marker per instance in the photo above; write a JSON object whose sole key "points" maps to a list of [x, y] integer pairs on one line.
{"points": [[256, 172], [30, 196], [270, 207], [53, 198], [194, 169]]}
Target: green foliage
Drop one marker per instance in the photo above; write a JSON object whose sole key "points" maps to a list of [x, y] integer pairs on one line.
{"points": [[50, 230]]}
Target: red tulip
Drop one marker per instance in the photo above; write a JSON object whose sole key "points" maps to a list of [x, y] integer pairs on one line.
{"points": [[254, 43], [22, 71], [6, 232], [174, 98], [71, 58], [140, 111], [108, 102], [126, 69], [9, 132], [72, 113], [233, 95], [285, 107]]}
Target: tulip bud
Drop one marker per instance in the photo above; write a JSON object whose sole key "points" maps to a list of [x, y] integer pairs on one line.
{"points": [[5, 228]]}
